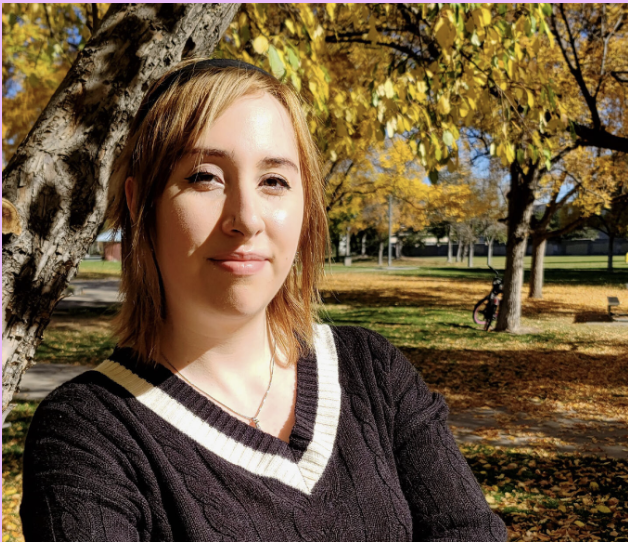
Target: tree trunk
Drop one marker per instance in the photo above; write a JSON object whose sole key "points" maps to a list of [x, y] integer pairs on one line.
{"points": [[364, 245], [465, 251], [520, 205], [489, 252], [450, 247], [539, 245], [611, 243], [58, 178], [459, 251], [380, 254], [471, 251], [398, 247]]}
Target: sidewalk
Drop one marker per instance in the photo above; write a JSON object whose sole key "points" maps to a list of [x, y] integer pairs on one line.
{"points": [[91, 294]]}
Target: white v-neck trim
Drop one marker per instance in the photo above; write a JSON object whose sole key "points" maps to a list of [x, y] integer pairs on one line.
{"points": [[303, 475]]}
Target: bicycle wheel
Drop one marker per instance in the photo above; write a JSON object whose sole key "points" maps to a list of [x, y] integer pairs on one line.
{"points": [[491, 313], [479, 311]]}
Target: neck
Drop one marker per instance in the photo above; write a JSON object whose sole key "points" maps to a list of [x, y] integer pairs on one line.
{"points": [[224, 357]]}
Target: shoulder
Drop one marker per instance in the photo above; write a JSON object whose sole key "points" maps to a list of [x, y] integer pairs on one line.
{"points": [[358, 342], [366, 353], [84, 412]]}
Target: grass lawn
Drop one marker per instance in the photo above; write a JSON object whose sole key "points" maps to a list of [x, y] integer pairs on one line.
{"points": [[98, 269], [560, 367], [558, 269]]}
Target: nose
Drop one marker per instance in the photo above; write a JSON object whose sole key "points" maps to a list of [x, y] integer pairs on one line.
{"points": [[242, 211]]}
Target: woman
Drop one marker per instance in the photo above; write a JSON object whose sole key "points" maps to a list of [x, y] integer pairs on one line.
{"points": [[225, 412]]}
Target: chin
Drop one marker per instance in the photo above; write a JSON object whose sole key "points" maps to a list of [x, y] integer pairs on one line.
{"points": [[239, 302]]}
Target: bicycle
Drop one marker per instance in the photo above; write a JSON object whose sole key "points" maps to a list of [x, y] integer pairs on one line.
{"points": [[486, 310]]}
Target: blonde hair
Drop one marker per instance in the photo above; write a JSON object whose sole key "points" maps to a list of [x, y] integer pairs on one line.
{"points": [[156, 142]]}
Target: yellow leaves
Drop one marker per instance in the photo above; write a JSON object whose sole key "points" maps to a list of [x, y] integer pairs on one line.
{"points": [[373, 35], [509, 151], [341, 128], [260, 45], [603, 509], [594, 486], [276, 62], [445, 33], [331, 10], [530, 97], [389, 89], [290, 26], [443, 107], [486, 16]]}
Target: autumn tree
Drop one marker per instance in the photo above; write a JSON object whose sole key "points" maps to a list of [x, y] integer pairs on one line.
{"points": [[39, 44], [58, 176], [583, 184], [612, 217]]}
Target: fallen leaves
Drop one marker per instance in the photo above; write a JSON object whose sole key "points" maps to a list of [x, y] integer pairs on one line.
{"points": [[548, 498]]}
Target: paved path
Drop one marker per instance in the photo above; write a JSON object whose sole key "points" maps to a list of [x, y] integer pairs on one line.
{"points": [[92, 294], [474, 426], [563, 433], [42, 378]]}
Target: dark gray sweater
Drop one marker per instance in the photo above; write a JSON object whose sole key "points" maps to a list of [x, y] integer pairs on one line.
{"points": [[124, 453]]}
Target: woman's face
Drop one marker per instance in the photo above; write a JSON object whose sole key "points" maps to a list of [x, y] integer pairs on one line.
{"points": [[229, 220]]}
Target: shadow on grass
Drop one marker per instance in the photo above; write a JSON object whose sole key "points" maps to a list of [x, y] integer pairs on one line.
{"points": [[565, 497], [583, 277], [454, 297]]}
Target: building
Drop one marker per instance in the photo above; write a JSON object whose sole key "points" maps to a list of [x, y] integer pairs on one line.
{"points": [[109, 246]]}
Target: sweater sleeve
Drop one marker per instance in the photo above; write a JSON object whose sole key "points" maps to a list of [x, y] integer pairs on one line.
{"points": [[75, 486], [445, 499]]}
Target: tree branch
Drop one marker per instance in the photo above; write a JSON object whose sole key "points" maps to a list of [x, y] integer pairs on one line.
{"points": [[600, 138], [575, 68]]}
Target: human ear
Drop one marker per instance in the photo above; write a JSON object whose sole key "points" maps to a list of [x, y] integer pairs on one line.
{"points": [[129, 191]]}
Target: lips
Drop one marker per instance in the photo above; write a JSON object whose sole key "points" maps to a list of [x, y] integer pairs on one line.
{"points": [[240, 263]]}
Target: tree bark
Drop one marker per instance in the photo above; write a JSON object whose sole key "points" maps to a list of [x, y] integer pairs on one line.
{"points": [[611, 247], [58, 178], [539, 245], [459, 251], [380, 254], [364, 245], [471, 252], [489, 252], [520, 204], [465, 251], [450, 247]]}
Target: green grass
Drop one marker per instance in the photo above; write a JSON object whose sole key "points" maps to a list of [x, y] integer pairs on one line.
{"points": [[78, 336], [98, 269], [430, 328], [75, 347], [13, 439], [584, 270]]}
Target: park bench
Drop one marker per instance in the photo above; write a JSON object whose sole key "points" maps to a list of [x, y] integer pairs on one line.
{"points": [[613, 302]]}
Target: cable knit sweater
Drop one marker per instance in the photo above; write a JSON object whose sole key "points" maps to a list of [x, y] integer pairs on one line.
{"points": [[127, 453]]}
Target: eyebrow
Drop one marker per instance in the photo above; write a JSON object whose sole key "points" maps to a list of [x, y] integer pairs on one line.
{"points": [[277, 162], [270, 161]]}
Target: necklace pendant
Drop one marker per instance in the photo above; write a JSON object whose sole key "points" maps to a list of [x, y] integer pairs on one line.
{"points": [[256, 422]]}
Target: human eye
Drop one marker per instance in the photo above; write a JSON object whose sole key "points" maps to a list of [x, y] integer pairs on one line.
{"points": [[275, 184], [203, 178]]}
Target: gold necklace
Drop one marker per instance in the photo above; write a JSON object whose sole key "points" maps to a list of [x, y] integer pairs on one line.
{"points": [[254, 418]]}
